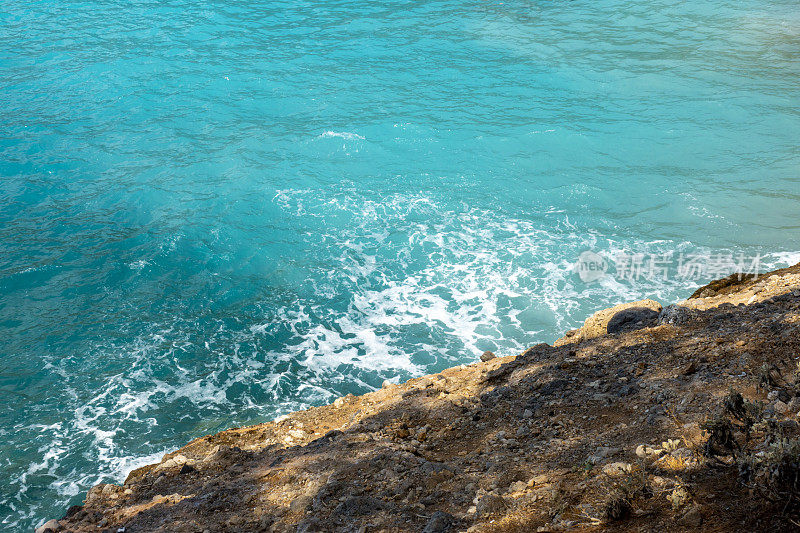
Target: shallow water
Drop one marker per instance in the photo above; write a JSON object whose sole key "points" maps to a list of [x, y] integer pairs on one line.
{"points": [[213, 215]]}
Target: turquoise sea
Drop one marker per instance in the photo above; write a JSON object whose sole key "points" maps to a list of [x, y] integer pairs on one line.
{"points": [[214, 213]]}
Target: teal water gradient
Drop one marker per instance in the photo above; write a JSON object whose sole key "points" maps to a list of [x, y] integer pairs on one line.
{"points": [[215, 213]]}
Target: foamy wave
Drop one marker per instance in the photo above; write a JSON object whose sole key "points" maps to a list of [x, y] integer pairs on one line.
{"points": [[405, 284], [341, 135], [775, 260]]}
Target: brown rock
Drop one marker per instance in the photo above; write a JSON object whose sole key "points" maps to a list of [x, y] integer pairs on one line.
{"points": [[623, 317], [489, 505], [51, 526], [487, 356], [367, 474]]}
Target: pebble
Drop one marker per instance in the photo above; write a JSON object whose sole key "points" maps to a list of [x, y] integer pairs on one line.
{"points": [[541, 479], [773, 395], [678, 497], [517, 486], [617, 469], [301, 503], [178, 460], [693, 517], [781, 407], [339, 402], [794, 404], [661, 482], [440, 522], [644, 451], [490, 504], [601, 453]]}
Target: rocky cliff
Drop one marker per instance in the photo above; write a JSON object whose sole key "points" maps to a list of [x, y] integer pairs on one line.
{"points": [[646, 419]]}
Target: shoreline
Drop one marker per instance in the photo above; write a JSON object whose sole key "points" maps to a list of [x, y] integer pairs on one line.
{"points": [[603, 429]]}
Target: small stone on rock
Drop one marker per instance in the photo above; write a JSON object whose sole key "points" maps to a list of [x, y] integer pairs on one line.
{"points": [[517, 486], [773, 395], [644, 451], [490, 504], [617, 469], [440, 522], [794, 404], [693, 517], [781, 407]]}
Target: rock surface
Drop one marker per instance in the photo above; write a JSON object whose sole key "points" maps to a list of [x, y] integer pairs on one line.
{"points": [[623, 317], [601, 432], [487, 356], [51, 526]]}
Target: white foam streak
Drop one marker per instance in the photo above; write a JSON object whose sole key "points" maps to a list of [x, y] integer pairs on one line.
{"points": [[417, 286], [340, 135]]}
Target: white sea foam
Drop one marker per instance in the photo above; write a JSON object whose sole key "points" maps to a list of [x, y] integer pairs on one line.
{"points": [[127, 464], [137, 265], [341, 135], [775, 260], [442, 286]]}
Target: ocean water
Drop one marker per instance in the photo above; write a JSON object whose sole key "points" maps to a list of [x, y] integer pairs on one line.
{"points": [[214, 213]]}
